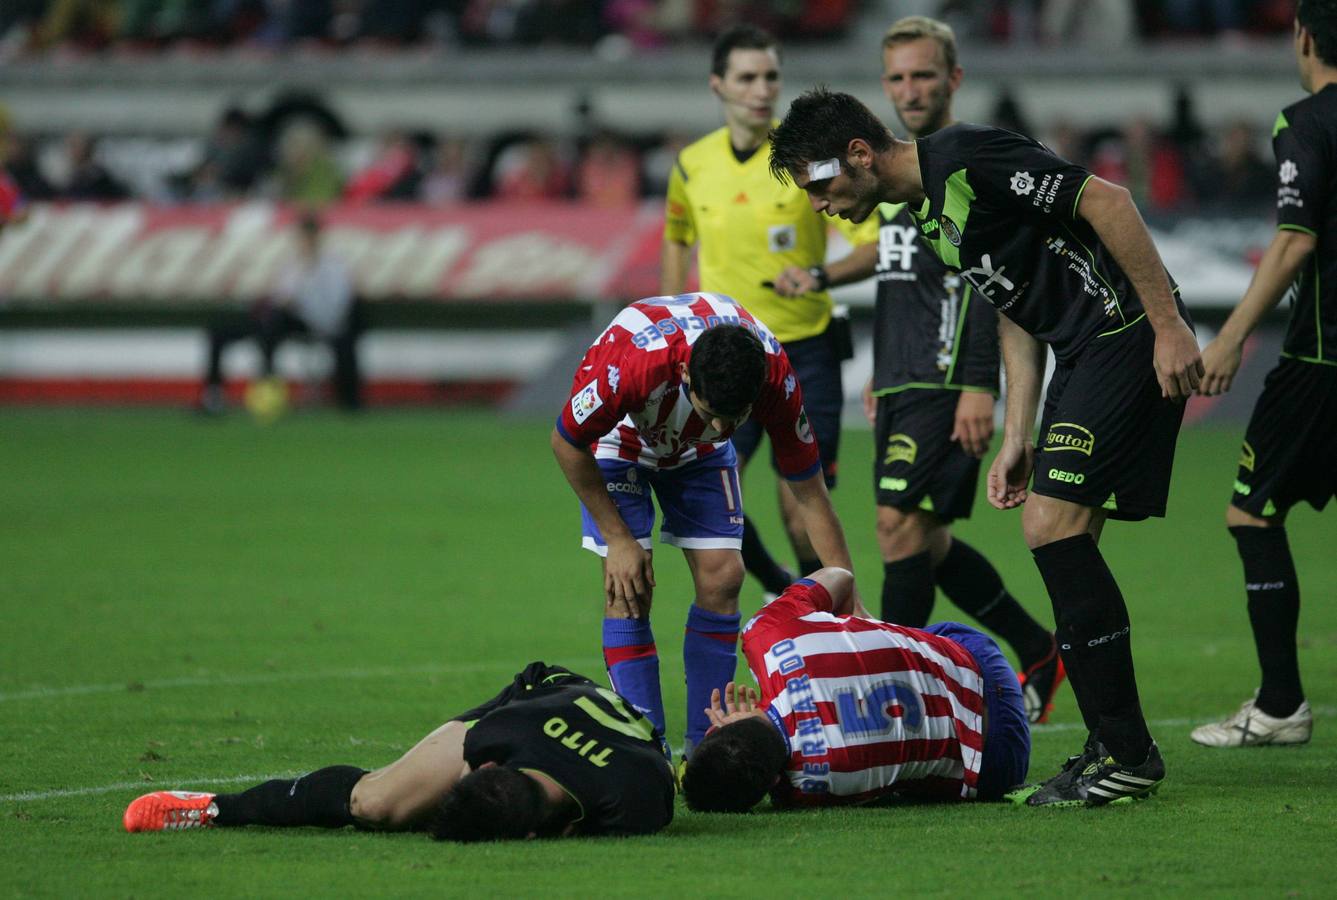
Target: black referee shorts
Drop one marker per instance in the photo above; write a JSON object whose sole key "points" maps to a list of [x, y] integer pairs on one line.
{"points": [[916, 464], [1107, 438], [1290, 446], [534, 675]]}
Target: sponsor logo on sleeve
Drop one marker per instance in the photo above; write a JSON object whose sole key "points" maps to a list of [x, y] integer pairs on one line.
{"points": [[614, 376], [790, 383], [1067, 436], [1287, 195], [1288, 172], [801, 427], [900, 448], [1022, 183], [585, 402]]}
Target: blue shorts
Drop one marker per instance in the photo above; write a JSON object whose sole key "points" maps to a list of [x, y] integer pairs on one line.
{"points": [[702, 503], [1007, 743], [818, 369]]}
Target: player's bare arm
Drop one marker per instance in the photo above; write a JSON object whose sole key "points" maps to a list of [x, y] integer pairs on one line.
{"points": [[824, 529], [1023, 363], [675, 262], [1110, 210], [973, 424], [839, 583], [629, 577], [858, 264], [1276, 272]]}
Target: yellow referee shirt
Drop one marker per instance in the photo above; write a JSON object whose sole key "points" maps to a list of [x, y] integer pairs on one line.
{"points": [[750, 227]]}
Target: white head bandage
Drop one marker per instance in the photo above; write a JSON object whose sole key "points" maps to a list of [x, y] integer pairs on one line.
{"points": [[820, 171]]}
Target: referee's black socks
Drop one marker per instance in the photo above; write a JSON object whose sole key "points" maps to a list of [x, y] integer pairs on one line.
{"points": [[907, 590], [318, 798], [973, 584], [1274, 613], [1094, 639]]}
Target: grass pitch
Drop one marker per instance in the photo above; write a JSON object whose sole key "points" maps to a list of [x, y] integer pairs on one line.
{"points": [[203, 605]]}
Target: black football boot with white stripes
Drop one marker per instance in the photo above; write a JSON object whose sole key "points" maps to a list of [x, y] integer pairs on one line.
{"points": [[1095, 779]]}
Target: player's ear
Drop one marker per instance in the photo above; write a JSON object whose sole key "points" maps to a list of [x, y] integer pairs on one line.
{"points": [[859, 153], [715, 83]]}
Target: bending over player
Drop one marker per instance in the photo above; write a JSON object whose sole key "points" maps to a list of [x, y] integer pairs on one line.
{"points": [[854, 710], [553, 754]]}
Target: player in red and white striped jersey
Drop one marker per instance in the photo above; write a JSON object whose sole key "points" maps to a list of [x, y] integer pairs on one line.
{"points": [[652, 406], [853, 709]]}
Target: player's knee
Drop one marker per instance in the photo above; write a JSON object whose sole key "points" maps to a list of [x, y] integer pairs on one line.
{"points": [[1236, 517], [719, 582], [1045, 520], [899, 533]]}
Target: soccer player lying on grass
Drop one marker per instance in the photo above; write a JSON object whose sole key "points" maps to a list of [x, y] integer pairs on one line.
{"points": [[854, 710], [552, 755]]}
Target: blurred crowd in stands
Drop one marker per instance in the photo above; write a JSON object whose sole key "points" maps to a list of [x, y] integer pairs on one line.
{"points": [[38, 27], [298, 151]]}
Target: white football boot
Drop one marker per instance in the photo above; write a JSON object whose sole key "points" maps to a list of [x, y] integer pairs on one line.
{"points": [[1250, 727]]}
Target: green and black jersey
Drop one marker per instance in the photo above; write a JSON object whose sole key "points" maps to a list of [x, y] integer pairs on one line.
{"points": [[930, 330], [1305, 142], [589, 740], [1002, 210]]}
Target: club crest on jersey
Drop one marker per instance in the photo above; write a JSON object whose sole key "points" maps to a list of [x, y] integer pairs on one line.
{"points": [[950, 231], [801, 427], [1067, 436], [614, 376], [585, 402], [900, 448]]}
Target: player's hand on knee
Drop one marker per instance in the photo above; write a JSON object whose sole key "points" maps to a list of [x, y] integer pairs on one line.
{"points": [[629, 577], [1220, 361], [1178, 362]]}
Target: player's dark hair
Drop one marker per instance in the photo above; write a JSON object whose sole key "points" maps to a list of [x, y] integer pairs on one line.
{"points": [[820, 125], [495, 803], [734, 766], [1319, 18], [727, 368], [739, 37]]}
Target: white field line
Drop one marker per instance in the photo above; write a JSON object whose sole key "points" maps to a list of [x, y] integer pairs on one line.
{"points": [[31, 796], [78, 690]]}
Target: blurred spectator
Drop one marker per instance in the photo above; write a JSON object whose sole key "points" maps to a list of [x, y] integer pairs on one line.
{"points": [[86, 178], [1226, 18], [659, 161], [18, 159], [1236, 176], [529, 170], [232, 160], [313, 297], [1108, 23], [82, 24], [609, 173], [451, 173], [1065, 140], [393, 174], [1007, 113], [307, 173], [1148, 165]]}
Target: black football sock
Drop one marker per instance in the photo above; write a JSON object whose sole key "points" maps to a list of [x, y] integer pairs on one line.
{"points": [[808, 564], [318, 798], [972, 583], [1094, 637], [1274, 613], [759, 562], [907, 590]]}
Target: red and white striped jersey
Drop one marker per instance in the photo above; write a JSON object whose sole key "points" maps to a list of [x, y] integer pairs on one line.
{"points": [[628, 400], [868, 709]]}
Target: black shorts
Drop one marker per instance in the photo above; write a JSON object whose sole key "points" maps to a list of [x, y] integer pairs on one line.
{"points": [[536, 674], [1107, 438], [817, 366], [1290, 446], [916, 464]]}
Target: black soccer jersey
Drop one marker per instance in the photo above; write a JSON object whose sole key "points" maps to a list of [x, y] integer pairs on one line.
{"points": [[931, 331], [591, 742], [1305, 142], [1002, 210]]}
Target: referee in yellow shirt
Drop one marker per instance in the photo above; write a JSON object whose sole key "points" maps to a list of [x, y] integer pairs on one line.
{"points": [[762, 244]]}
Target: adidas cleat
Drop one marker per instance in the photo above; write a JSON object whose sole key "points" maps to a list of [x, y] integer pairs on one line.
{"points": [[1039, 684], [170, 811], [1096, 779], [1251, 727]]}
